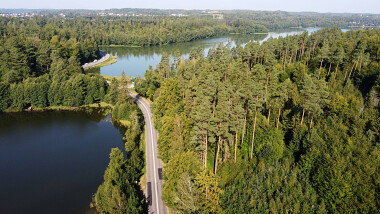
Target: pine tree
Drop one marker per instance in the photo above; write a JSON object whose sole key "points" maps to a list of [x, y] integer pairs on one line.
{"points": [[280, 96], [208, 186], [325, 51], [4, 96], [221, 120], [256, 101], [309, 94], [338, 56]]}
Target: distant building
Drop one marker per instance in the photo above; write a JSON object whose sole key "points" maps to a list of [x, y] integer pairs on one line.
{"points": [[178, 15], [217, 16]]}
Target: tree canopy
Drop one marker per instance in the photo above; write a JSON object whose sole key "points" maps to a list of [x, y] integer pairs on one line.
{"points": [[289, 125]]}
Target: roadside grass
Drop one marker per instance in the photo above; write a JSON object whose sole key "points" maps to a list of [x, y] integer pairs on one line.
{"points": [[133, 90], [142, 182], [109, 61], [101, 104], [148, 100], [67, 108], [109, 78], [129, 46]]}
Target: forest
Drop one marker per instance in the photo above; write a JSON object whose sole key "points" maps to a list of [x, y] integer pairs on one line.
{"points": [[127, 31], [149, 27], [46, 71], [288, 126], [273, 20]]}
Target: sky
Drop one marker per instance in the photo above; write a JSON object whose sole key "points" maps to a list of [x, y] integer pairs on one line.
{"points": [[334, 6]]}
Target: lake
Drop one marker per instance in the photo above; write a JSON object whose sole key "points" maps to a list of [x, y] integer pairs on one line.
{"points": [[53, 162], [135, 61]]}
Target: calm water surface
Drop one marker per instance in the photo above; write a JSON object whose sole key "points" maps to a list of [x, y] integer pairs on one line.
{"points": [[52, 162], [135, 61]]}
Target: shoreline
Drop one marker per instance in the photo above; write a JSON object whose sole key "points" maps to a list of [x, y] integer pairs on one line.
{"points": [[107, 59], [144, 46], [62, 108]]}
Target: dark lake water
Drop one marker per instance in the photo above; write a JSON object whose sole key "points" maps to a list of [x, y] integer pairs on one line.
{"points": [[52, 162]]}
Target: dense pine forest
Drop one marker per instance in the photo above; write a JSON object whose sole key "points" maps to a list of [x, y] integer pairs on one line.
{"points": [[291, 125], [150, 27], [135, 31], [47, 72], [271, 19]]}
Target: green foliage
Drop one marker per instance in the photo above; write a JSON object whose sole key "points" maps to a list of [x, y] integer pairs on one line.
{"points": [[113, 93], [167, 101], [308, 107], [270, 144], [187, 196], [124, 110], [179, 164], [147, 87], [339, 169], [208, 185], [4, 96], [46, 70], [320, 155], [117, 194], [275, 188], [43, 91]]}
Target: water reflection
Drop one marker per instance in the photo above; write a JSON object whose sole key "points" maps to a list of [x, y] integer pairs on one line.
{"points": [[135, 61], [52, 162]]}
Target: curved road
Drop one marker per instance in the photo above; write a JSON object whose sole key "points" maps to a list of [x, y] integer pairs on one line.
{"points": [[105, 57], [153, 163]]}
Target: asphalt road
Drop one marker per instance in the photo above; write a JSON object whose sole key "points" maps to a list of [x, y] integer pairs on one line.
{"points": [[153, 163], [91, 64]]}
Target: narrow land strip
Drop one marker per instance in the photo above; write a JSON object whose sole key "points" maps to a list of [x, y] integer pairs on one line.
{"points": [[105, 57]]}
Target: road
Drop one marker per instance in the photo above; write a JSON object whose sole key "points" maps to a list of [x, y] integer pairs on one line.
{"points": [[154, 179], [103, 59]]}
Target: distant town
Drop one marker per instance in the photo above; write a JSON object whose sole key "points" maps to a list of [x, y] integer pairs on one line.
{"points": [[351, 20]]}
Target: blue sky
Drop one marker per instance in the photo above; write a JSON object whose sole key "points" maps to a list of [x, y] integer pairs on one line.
{"points": [[339, 6]]}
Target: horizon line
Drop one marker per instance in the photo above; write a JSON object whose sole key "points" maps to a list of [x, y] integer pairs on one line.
{"points": [[190, 10]]}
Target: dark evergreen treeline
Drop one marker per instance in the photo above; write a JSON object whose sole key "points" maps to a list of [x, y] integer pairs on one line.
{"points": [[291, 125], [29, 56], [271, 19], [46, 90], [46, 70], [130, 31], [281, 19]]}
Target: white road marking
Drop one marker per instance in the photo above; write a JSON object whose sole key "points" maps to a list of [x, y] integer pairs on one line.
{"points": [[154, 159]]}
